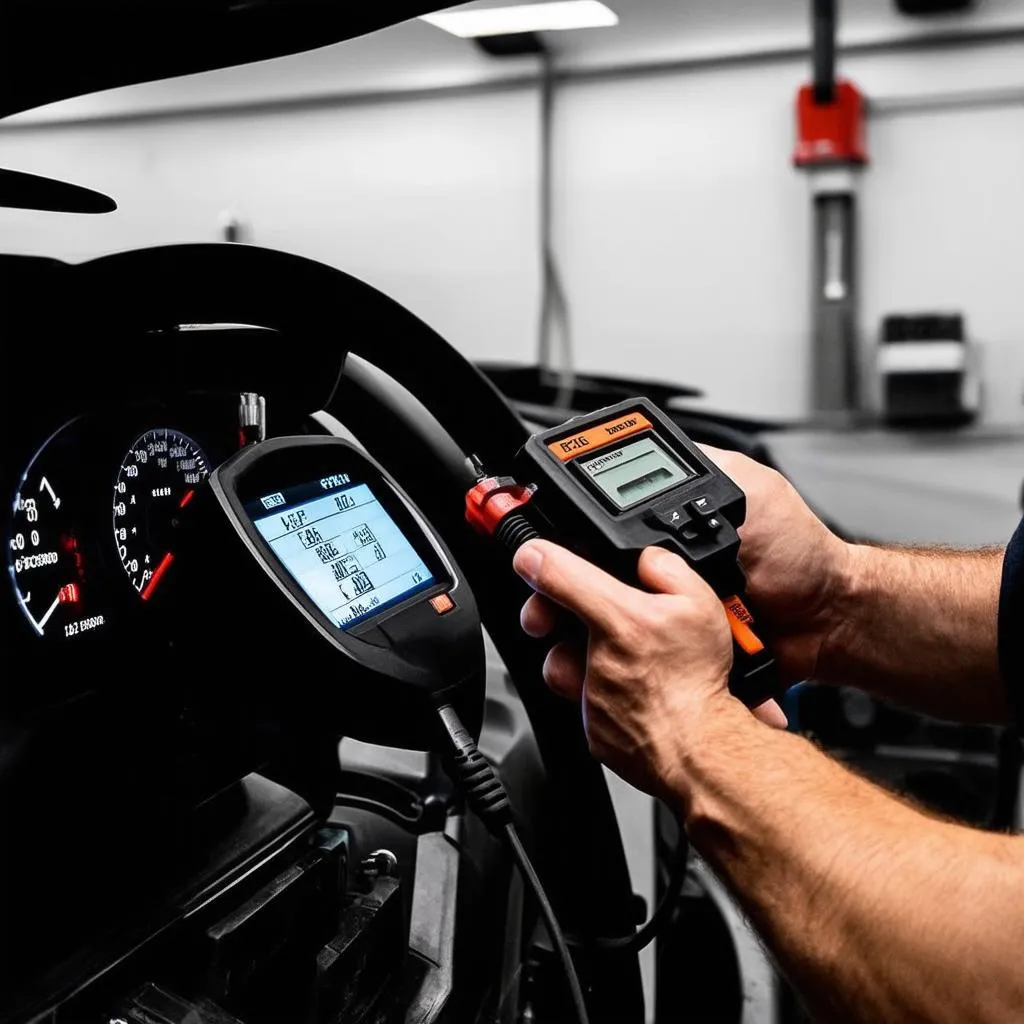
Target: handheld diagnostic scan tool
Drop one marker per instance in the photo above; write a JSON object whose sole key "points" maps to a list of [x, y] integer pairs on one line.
{"points": [[612, 482]]}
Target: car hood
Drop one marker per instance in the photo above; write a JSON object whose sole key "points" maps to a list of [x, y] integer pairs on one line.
{"points": [[55, 49]]}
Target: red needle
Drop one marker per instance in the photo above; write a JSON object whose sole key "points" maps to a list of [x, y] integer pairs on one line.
{"points": [[165, 564], [189, 495]]}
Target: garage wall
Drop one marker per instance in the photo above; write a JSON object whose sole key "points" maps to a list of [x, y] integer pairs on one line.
{"points": [[432, 201], [683, 230], [943, 227], [686, 232]]}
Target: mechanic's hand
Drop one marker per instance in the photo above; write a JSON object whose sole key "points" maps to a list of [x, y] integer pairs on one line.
{"points": [[794, 564], [657, 663]]}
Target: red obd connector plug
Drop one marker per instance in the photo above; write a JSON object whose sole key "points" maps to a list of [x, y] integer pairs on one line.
{"points": [[493, 510]]}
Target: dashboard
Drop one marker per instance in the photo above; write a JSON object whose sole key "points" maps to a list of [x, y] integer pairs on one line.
{"points": [[98, 515], [139, 691]]}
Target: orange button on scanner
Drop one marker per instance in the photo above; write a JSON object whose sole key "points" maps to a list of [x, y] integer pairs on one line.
{"points": [[442, 604]]}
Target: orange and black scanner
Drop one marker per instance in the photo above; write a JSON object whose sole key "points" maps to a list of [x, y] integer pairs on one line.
{"points": [[612, 482]]}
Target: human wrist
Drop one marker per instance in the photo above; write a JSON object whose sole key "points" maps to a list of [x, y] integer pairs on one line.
{"points": [[702, 747], [848, 582]]}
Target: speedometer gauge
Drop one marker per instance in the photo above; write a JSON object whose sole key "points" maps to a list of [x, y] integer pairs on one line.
{"points": [[157, 480]]}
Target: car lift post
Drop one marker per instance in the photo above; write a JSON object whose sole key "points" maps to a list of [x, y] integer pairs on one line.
{"points": [[830, 147]]}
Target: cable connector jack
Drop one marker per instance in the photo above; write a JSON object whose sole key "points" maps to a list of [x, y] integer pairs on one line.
{"points": [[485, 794], [478, 781], [494, 509]]}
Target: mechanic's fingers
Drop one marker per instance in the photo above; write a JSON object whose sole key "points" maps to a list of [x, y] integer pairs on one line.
{"points": [[538, 617], [721, 457], [665, 573], [573, 582], [712, 451], [564, 670], [771, 714], [750, 475]]}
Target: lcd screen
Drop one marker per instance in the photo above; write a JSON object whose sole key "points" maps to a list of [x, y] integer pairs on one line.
{"points": [[636, 471], [341, 546]]}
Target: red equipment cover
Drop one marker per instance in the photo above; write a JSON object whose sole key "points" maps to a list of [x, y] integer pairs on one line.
{"points": [[830, 133]]}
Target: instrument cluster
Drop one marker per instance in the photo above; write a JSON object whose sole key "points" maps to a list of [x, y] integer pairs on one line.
{"points": [[100, 508]]}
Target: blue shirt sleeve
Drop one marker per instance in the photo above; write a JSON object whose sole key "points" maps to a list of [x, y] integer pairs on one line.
{"points": [[1011, 622]]}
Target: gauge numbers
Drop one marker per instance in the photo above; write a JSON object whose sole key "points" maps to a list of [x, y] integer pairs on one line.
{"points": [[45, 559], [156, 482]]}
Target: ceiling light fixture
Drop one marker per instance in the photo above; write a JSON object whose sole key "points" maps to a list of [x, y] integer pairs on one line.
{"points": [[500, 21]]}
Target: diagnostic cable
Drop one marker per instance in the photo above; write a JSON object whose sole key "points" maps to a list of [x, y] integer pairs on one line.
{"points": [[485, 793]]}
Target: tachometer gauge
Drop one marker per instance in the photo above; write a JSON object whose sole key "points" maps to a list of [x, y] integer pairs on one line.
{"points": [[46, 561], [155, 484]]}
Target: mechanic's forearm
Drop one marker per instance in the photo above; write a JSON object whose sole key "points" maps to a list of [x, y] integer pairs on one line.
{"points": [[919, 627], [875, 910]]}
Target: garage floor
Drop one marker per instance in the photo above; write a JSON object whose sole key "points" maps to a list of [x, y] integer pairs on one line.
{"points": [[961, 488]]}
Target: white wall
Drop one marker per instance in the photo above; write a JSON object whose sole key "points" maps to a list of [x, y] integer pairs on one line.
{"points": [[686, 232], [433, 201], [683, 230], [943, 227]]}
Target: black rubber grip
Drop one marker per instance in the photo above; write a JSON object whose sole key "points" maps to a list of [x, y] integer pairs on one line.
{"points": [[478, 781], [514, 531]]}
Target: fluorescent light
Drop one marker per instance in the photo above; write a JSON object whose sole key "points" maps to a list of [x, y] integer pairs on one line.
{"points": [[503, 21]]}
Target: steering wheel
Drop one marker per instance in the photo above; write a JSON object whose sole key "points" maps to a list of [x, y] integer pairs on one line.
{"points": [[339, 347]]}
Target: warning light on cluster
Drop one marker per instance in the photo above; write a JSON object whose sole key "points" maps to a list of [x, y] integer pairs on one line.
{"points": [[69, 594]]}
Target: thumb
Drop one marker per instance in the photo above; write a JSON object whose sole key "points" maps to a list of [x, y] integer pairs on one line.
{"points": [[666, 573], [771, 714], [574, 583]]}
